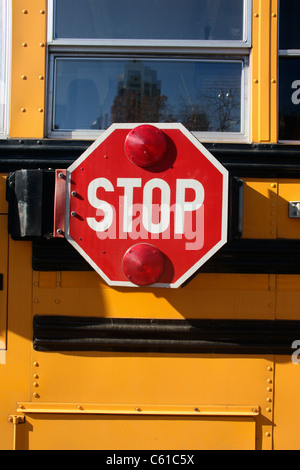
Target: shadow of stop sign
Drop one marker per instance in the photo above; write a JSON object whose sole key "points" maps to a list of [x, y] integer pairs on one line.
{"points": [[146, 205]]}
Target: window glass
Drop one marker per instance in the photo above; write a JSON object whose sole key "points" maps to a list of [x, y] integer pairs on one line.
{"points": [[92, 93], [289, 32], [149, 19], [289, 98]]}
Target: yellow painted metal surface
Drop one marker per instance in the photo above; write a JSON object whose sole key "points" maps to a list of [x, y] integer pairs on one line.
{"points": [[3, 291], [121, 382], [141, 379], [166, 397], [288, 297], [266, 209], [131, 410], [287, 404], [3, 267], [233, 296], [260, 208], [15, 366], [3, 202], [120, 433], [147, 401], [27, 113], [264, 71]]}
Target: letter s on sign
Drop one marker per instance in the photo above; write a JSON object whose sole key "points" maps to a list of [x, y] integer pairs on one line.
{"points": [[99, 204], [295, 96]]}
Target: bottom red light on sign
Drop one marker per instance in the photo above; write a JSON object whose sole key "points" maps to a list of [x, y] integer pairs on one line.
{"points": [[143, 264]]}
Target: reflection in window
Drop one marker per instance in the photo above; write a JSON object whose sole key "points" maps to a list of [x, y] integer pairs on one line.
{"points": [[94, 93], [150, 19]]}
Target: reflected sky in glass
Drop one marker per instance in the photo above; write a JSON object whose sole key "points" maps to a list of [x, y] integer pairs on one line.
{"points": [[289, 31], [149, 19], [92, 93]]}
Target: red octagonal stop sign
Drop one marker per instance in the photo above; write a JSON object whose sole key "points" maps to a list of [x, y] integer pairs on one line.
{"points": [[146, 205]]}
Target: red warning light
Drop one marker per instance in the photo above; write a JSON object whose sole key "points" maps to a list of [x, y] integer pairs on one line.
{"points": [[145, 145], [143, 264]]}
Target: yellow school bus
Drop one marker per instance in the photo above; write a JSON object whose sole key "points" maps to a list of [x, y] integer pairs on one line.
{"points": [[213, 364]]}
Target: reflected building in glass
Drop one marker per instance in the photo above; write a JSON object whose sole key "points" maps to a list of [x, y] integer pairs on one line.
{"points": [[138, 95]]}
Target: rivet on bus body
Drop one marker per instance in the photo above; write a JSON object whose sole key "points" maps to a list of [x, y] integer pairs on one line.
{"points": [[41, 77], [35, 384], [256, 15], [269, 381], [273, 80], [255, 80], [23, 77], [268, 410], [273, 185], [269, 389], [79, 407], [36, 364], [269, 368], [23, 110], [274, 15], [24, 44], [40, 110], [268, 399], [25, 12], [138, 408], [267, 434], [35, 395], [42, 44], [42, 12]]}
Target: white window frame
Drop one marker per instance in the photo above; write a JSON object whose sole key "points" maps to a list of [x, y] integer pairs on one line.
{"points": [[168, 49], [5, 52]]}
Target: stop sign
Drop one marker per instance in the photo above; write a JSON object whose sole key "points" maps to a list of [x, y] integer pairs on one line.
{"points": [[146, 205]]}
